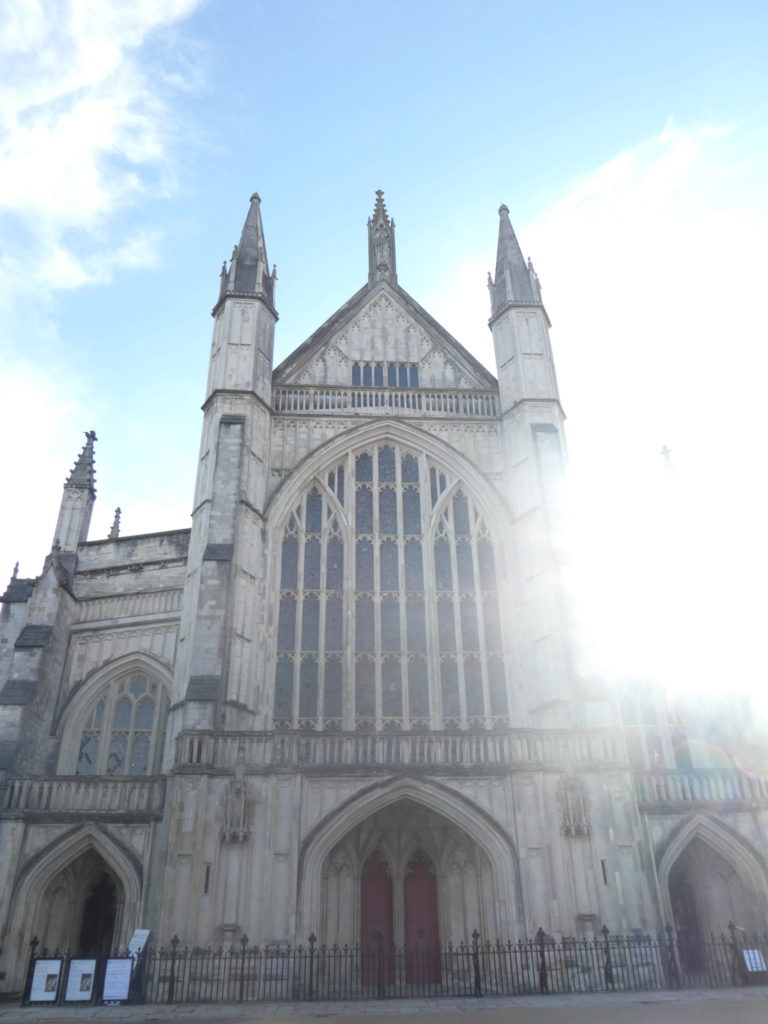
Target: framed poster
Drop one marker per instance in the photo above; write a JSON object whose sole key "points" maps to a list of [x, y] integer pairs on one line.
{"points": [[117, 979], [46, 978], [80, 979]]}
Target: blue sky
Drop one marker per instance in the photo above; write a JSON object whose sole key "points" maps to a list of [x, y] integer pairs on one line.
{"points": [[629, 142]]}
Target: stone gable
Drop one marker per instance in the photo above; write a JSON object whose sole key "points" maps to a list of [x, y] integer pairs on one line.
{"points": [[384, 332]]}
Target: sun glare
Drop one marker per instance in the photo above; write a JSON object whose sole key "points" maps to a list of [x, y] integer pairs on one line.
{"points": [[664, 579]]}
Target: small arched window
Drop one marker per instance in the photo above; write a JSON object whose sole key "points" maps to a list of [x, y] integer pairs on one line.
{"points": [[123, 729]]}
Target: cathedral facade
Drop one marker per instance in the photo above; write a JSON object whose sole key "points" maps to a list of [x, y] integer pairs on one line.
{"points": [[346, 700]]}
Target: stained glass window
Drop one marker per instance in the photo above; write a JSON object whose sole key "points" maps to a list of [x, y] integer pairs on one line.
{"points": [[123, 731], [388, 612]]}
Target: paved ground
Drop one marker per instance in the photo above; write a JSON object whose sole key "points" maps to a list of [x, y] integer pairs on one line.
{"points": [[707, 1006]]}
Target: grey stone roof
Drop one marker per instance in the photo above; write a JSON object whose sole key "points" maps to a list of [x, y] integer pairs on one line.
{"points": [[218, 553], [18, 691], [203, 688], [7, 753], [18, 590], [34, 636]]}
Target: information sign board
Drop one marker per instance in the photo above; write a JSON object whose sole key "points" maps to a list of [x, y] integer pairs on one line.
{"points": [[138, 941], [117, 979], [80, 979], [45, 981]]}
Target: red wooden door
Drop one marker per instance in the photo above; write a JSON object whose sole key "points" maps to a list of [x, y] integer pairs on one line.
{"points": [[421, 935], [376, 935]]}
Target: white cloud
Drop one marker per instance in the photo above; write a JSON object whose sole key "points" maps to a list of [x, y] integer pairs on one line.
{"points": [[42, 412], [83, 131]]}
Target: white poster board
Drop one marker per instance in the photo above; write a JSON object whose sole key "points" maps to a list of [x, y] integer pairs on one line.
{"points": [[117, 979], [45, 981], [754, 960], [138, 942], [82, 974]]}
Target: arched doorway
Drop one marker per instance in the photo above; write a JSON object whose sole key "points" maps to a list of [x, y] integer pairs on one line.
{"points": [[80, 907], [408, 877], [97, 928], [707, 891]]}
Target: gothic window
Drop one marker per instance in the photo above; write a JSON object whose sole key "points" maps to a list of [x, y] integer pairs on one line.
{"points": [[385, 374], [387, 609], [123, 730]]}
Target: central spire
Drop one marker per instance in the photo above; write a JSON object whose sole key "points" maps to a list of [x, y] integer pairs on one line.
{"points": [[381, 244]]}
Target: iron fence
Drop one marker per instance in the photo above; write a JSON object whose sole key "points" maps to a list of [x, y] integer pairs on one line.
{"points": [[606, 963]]}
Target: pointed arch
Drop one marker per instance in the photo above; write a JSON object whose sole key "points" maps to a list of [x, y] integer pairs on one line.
{"points": [[83, 698], [379, 431], [723, 840], [457, 809], [409, 634], [42, 868]]}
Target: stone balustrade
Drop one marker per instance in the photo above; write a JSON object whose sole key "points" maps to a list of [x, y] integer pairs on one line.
{"points": [[700, 787], [515, 749], [67, 795], [384, 401], [520, 748]]}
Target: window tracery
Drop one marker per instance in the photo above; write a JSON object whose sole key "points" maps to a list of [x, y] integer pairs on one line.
{"points": [[123, 731], [388, 614], [385, 374]]}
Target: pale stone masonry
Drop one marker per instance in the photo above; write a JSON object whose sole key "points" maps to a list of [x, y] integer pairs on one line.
{"points": [[345, 701]]}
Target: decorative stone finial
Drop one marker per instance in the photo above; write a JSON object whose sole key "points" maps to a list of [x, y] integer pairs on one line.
{"points": [[114, 533], [83, 473], [503, 209], [381, 243], [380, 207]]}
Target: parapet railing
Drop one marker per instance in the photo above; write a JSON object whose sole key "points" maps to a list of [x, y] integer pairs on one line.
{"points": [[704, 786], [64, 795], [299, 750], [395, 401]]}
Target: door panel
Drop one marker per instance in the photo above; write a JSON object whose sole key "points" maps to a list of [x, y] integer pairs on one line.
{"points": [[421, 931], [376, 934]]}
